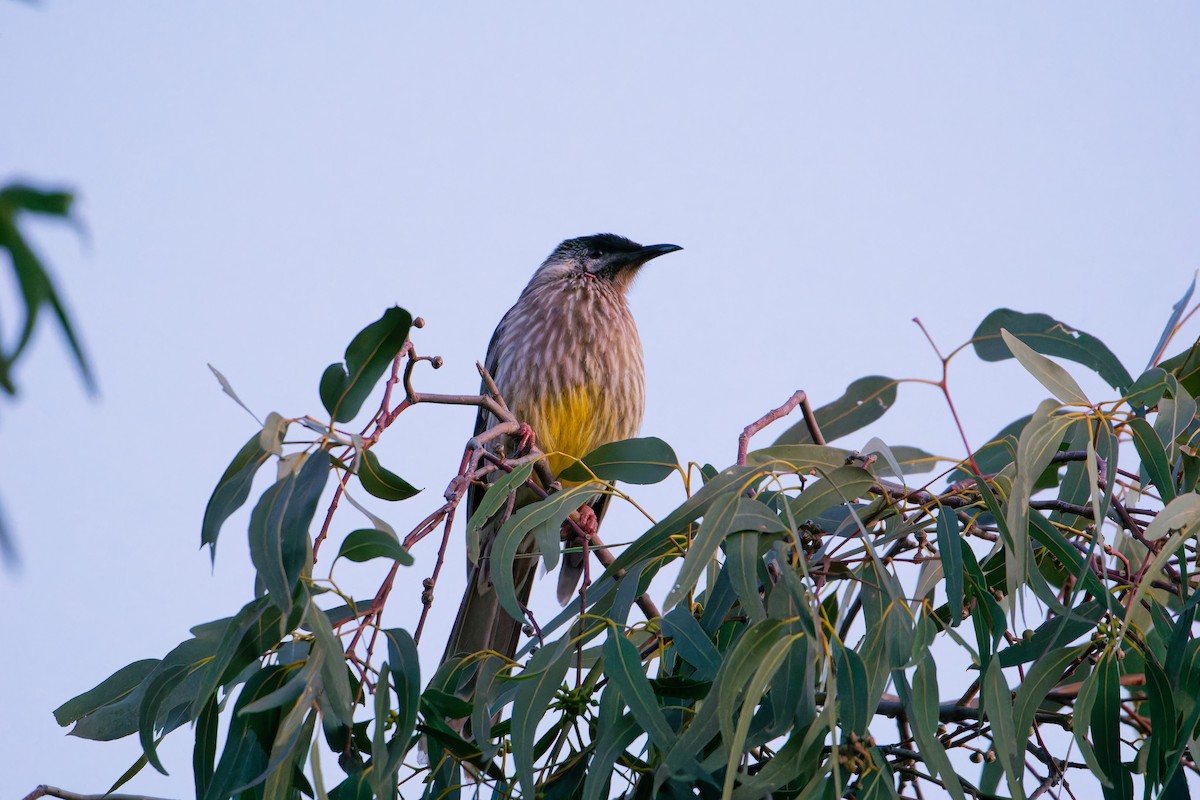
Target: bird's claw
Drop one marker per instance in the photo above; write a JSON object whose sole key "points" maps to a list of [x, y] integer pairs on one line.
{"points": [[585, 518], [525, 437]]}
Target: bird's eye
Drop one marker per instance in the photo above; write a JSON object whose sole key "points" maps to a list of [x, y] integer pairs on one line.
{"points": [[595, 253]]}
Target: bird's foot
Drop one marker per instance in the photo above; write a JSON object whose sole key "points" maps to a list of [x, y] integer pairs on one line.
{"points": [[525, 437], [585, 518]]}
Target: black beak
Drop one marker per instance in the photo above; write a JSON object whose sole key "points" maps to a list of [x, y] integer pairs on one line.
{"points": [[639, 257]]}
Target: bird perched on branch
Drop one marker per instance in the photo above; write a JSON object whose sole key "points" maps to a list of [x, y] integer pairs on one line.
{"points": [[568, 362]]}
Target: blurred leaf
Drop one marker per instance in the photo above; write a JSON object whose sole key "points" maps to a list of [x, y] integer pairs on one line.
{"points": [[1049, 337], [380, 482], [54, 203], [34, 281], [279, 541], [346, 386], [231, 492], [540, 681], [365, 544], [1056, 379], [638, 461], [865, 400], [1169, 329], [227, 388]]}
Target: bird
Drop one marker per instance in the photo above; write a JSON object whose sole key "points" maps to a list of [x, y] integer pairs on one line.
{"points": [[567, 359]]}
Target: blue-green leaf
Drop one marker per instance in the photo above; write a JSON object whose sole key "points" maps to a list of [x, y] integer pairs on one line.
{"points": [[367, 543], [345, 386], [638, 461]]}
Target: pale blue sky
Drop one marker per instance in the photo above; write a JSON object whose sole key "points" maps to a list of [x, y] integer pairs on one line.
{"points": [[260, 180]]}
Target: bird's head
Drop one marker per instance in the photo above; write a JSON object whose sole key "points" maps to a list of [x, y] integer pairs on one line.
{"points": [[602, 257]]}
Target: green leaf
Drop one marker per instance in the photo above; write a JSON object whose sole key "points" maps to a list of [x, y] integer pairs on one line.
{"points": [[1154, 457], [950, 545], [346, 386], [1185, 367], [1039, 680], [279, 541], [204, 753], [333, 664], [624, 669], [540, 681], [998, 706], [614, 733], [55, 203], [923, 711], [160, 698], [406, 674], [380, 482], [853, 690], [549, 515], [232, 490], [693, 644], [638, 461], [1059, 630], [764, 670], [1181, 514], [1149, 388], [1049, 337], [112, 689], [1056, 379], [365, 544], [497, 495], [227, 388], [245, 756], [743, 560], [865, 400], [234, 651], [1106, 728], [838, 486], [1039, 442], [713, 530]]}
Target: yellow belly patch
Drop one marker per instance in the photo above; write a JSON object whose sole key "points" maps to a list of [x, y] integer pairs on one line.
{"points": [[568, 426]]}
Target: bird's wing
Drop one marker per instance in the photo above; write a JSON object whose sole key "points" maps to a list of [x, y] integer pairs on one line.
{"points": [[490, 362]]}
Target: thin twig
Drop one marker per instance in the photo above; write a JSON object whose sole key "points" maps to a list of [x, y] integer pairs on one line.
{"points": [[796, 399]]}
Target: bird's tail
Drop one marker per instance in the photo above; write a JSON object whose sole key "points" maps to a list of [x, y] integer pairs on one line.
{"points": [[482, 623]]}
